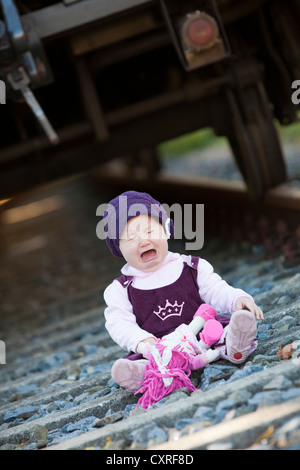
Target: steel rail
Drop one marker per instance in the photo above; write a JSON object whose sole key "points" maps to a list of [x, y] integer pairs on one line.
{"points": [[281, 201]]}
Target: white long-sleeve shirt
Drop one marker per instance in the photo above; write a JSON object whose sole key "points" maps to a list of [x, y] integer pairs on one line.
{"points": [[120, 319]]}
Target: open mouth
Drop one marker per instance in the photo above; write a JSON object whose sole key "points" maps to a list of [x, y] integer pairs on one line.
{"points": [[148, 255]]}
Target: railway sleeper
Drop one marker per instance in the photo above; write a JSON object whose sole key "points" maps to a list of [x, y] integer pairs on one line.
{"points": [[118, 400], [167, 416]]}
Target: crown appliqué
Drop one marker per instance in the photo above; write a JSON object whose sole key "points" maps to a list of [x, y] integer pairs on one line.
{"points": [[169, 310]]}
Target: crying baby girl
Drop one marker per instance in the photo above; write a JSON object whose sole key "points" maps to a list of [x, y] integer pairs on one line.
{"points": [[159, 290]]}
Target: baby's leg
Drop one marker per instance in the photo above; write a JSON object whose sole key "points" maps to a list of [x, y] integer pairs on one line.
{"points": [[239, 338], [128, 374]]}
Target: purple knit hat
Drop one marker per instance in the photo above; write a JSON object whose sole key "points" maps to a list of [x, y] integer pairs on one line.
{"points": [[125, 207]]}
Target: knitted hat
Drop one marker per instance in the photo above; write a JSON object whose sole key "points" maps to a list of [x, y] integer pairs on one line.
{"points": [[125, 207]]}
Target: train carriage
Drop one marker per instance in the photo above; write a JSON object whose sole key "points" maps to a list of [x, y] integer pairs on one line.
{"points": [[87, 81]]}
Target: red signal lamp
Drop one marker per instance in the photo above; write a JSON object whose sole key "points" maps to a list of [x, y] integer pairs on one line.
{"points": [[200, 31]]}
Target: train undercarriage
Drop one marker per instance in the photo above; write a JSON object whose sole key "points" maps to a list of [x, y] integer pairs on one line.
{"points": [[88, 81]]}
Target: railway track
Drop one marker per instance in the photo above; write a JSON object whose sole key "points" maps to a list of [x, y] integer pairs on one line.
{"points": [[56, 392]]}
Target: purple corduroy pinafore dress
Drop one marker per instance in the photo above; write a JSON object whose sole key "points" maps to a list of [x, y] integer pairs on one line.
{"points": [[160, 311]]}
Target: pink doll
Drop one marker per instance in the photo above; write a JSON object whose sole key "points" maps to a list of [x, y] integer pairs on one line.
{"points": [[173, 357]]}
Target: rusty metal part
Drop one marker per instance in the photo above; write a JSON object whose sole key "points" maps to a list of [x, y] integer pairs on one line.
{"points": [[23, 65], [91, 100], [201, 40], [60, 19], [279, 89], [121, 30], [254, 138], [200, 31], [203, 36]]}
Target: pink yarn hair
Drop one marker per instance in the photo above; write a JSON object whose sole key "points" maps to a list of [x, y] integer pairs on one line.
{"points": [[153, 387]]}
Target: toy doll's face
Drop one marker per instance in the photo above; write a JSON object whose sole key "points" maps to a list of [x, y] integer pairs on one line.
{"points": [[144, 243]]}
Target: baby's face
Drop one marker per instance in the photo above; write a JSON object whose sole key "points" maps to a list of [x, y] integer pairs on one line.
{"points": [[143, 243]]}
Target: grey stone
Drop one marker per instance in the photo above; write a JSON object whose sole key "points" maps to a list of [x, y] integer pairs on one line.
{"points": [[288, 435], [278, 383], [100, 422], [266, 398], [240, 397], [247, 370], [284, 300], [291, 393], [24, 412], [183, 422], [284, 323], [27, 389], [216, 384], [225, 405], [82, 425], [38, 434], [64, 437], [270, 398], [222, 409], [8, 447], [211, 372], [265, 359], [31, 446], [55, 360], [204, 413], [150, 431], [220, 446], [264, 331], [290, 425], [89, 349]]}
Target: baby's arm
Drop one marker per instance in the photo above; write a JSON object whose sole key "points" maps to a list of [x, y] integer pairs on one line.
{"points": [[144, 346], [120, 321], [215, 291]]}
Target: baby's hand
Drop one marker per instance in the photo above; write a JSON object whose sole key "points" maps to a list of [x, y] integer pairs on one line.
{"points": [[144, 346], [244, 303]]}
